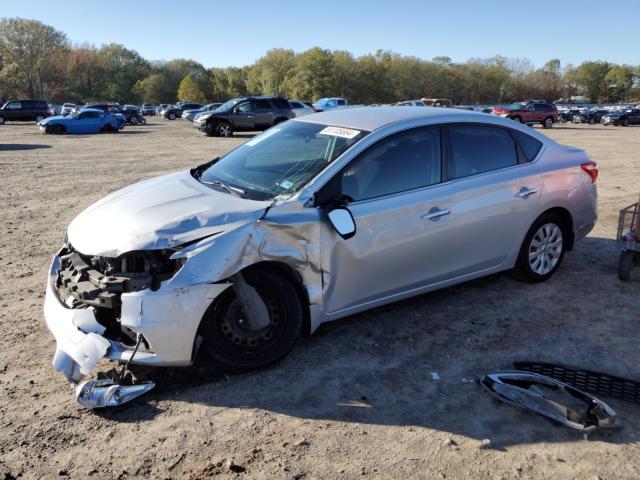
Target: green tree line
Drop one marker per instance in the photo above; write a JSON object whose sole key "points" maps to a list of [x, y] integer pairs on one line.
{"points": [[38, 61]]}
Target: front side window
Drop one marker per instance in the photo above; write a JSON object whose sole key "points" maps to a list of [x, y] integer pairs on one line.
{"points": [[244, 108], [479, 148], [341, 102], [280, 161], [400, 162], [14, 106]]}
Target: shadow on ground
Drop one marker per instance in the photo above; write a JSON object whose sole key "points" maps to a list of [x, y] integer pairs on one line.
{"points": [[8, 147], [379, 367]]}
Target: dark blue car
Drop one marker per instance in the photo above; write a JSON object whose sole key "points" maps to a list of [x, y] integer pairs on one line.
{"points": [[87, 120]]}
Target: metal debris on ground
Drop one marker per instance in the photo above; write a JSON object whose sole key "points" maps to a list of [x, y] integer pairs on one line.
{"points": [[551, 398]]}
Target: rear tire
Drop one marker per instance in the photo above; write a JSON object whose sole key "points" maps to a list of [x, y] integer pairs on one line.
{"points": [[625, 122], [133, 120], [626, 264], [238, 349], [543, 249], [57, 129]]}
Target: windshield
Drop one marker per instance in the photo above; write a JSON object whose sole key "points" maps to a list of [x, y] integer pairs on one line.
{"points": [[515, 106], [279, 162]]}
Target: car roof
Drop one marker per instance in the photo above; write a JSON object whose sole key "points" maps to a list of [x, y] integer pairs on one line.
{"points": [[366, 118], [91, 110]]}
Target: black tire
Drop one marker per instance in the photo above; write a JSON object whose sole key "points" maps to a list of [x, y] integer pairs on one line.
{"points": [[210, 130], [548, 122], [2, 120], [592, 121], [626, 264], [108, 128], [224, 129], [133, 120], [516, 119], [239, 350], [57, 129], [39, 118], [625, 122], [171, 116], [523, 269]]}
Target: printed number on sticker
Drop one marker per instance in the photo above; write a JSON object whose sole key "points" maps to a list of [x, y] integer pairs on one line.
{"points": [[339, 132]]}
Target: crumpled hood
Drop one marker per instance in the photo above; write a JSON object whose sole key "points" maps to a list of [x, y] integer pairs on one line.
{"points": [[159, 213]]}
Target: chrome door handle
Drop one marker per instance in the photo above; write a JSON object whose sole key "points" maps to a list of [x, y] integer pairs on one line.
{"points": [[525, 192], [435, 214]]}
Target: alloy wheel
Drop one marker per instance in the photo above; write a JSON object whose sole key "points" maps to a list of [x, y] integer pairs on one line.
{"points": [[545, 249]]}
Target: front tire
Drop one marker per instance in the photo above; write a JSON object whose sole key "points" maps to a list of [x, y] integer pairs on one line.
{"points": [[224, 129], [626, 122], [236, 348], [542, 250], [171, 116], [39, 118], [516, 119], [2, 120], [133, 120]]}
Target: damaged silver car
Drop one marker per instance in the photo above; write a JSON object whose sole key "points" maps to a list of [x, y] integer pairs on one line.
{"points": [[316, 219]]}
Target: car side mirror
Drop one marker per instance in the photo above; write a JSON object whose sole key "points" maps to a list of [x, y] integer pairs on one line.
{"points": [[342, 220]]}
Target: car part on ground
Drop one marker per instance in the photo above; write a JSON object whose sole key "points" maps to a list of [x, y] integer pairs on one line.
{"points": [[372, 189], [629, 234], [543, 395], [589, 381]]}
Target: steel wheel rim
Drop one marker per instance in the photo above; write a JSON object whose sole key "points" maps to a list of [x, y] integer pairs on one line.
{"points": [[545, 248]]}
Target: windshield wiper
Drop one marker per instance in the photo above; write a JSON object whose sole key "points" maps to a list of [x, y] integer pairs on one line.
{"points": [[228, 188]]}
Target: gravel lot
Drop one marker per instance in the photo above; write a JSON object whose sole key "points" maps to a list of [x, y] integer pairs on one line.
{"points": [[355, 400]]}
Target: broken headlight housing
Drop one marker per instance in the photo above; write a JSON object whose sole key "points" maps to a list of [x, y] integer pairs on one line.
{"points": [[84, 280]]}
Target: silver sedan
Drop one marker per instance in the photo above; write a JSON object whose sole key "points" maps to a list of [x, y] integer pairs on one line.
{"points": [[317, 218]]}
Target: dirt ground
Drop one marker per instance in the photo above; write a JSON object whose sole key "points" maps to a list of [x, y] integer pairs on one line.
{"points": [[356, 400]]}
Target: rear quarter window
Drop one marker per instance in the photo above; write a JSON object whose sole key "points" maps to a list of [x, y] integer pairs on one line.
{"points": [[281, 103], [530, 146]]}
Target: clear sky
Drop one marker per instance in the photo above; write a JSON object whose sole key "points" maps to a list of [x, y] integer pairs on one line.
{"points": [[223, 33]]}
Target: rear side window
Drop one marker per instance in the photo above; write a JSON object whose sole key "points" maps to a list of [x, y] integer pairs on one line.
{"points": [[280, 103], [398, 163], [341, 102], [529, 145], [295, 105], [262, 105], [479, 148]]}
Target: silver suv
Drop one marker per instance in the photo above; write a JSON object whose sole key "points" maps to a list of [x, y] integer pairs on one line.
{"points": [[318, 218]]}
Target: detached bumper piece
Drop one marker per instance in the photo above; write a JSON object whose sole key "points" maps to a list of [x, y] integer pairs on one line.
{"points": [[543, 395]]}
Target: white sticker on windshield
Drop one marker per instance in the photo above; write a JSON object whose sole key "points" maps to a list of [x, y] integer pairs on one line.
{"points": [[286, 184], [339, 132], [257, 139]]}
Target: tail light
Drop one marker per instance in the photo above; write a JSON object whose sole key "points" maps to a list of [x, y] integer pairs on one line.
{"points": [[591, 169]]}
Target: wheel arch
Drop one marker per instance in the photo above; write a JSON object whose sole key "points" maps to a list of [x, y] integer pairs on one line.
{"points": [[291, 274], [567, 220]]}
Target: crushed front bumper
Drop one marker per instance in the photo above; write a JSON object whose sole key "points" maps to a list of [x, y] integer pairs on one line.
{"points": [[168, 318]]}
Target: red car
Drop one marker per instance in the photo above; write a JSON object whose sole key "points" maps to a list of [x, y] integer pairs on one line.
{"points": [[543, 113]]}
